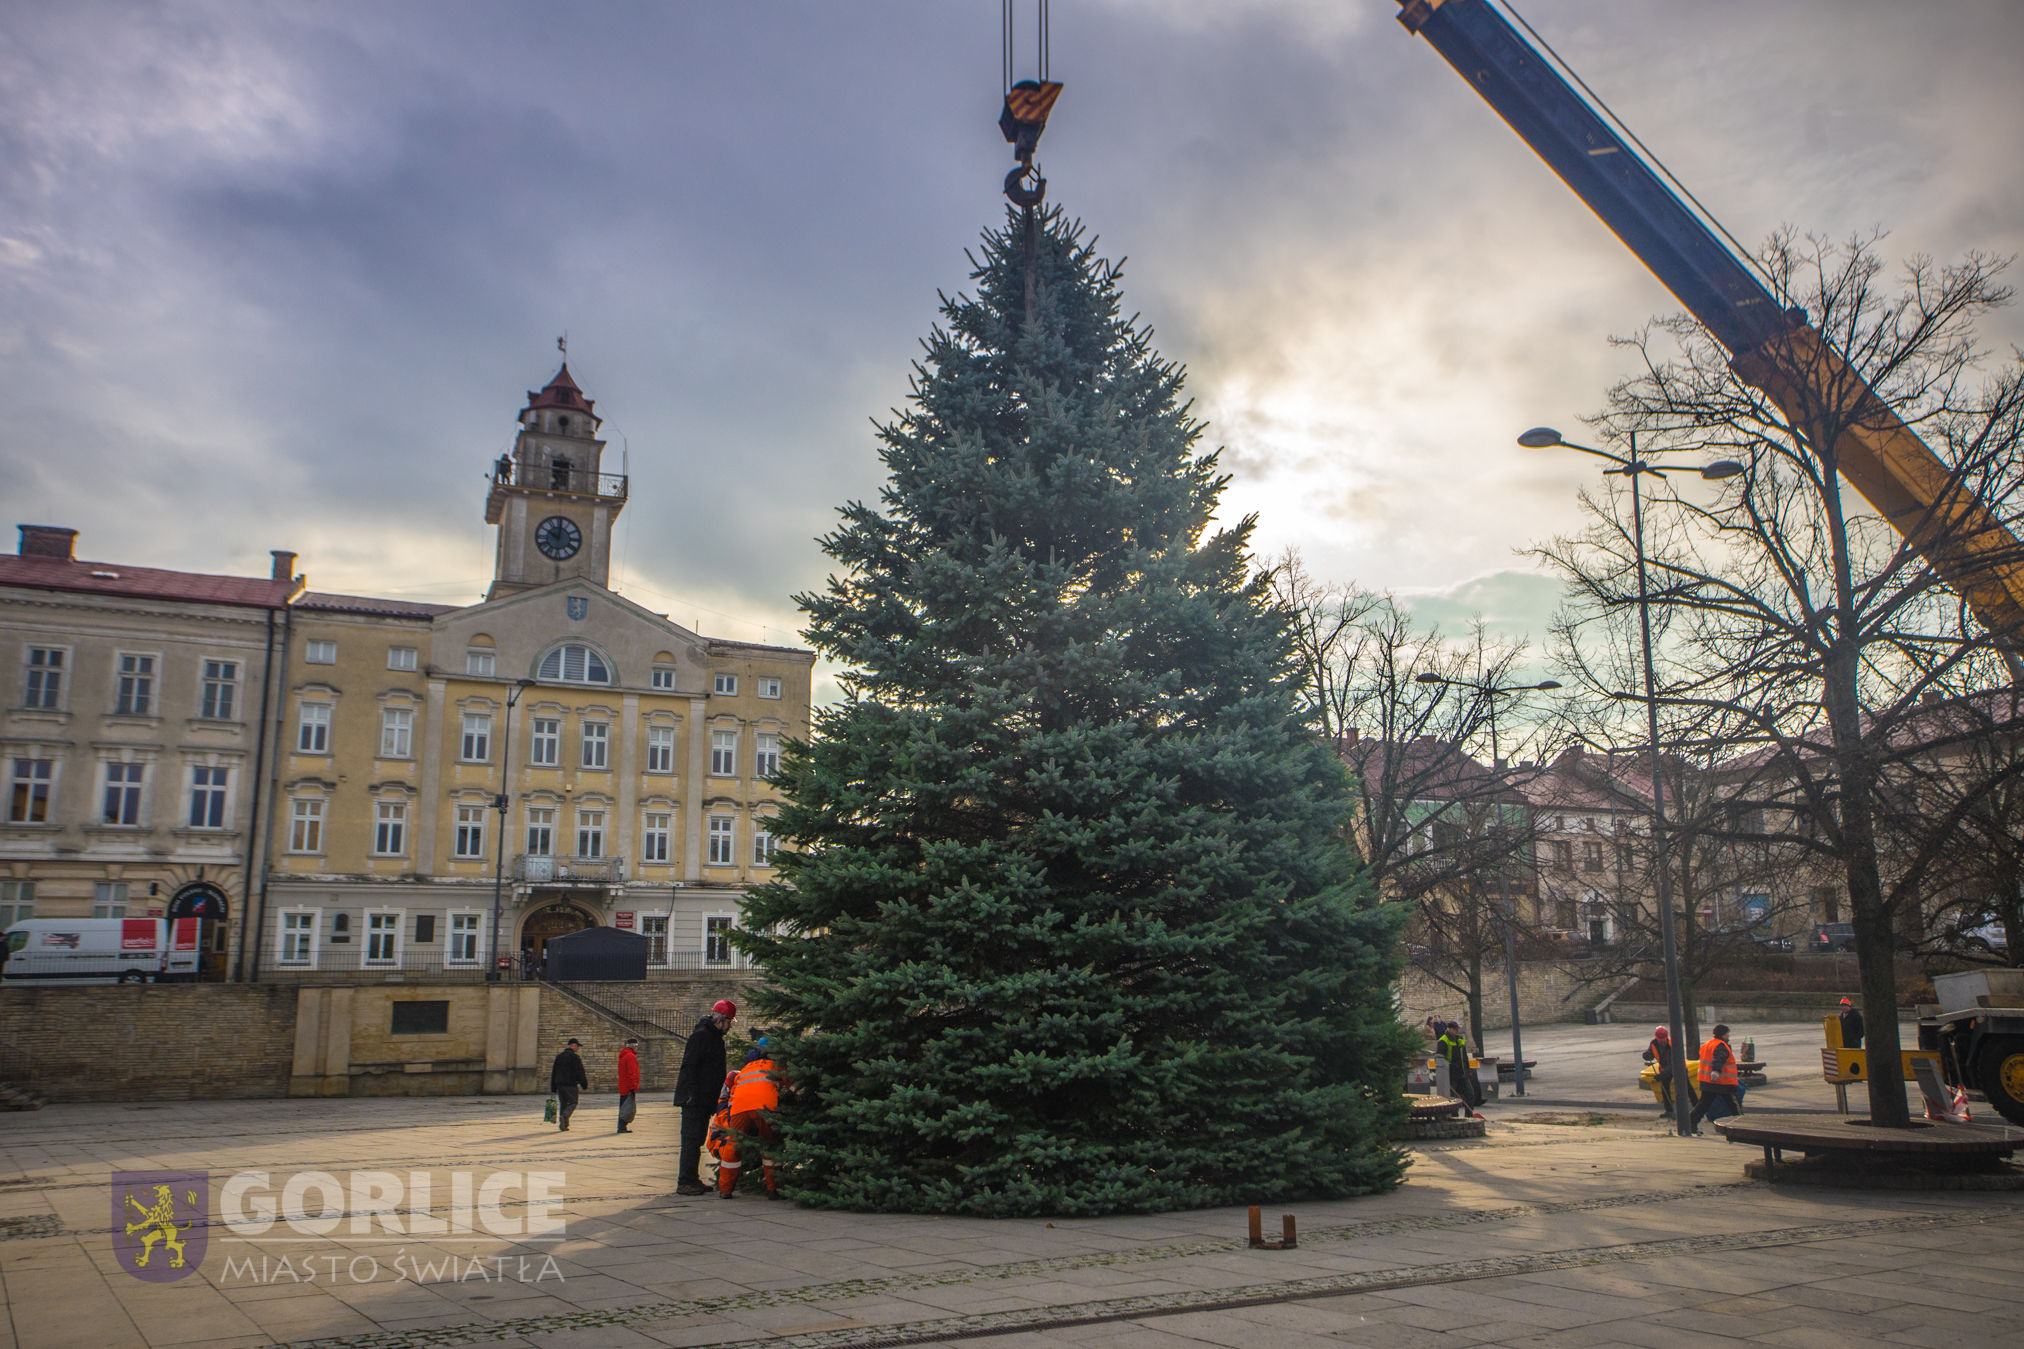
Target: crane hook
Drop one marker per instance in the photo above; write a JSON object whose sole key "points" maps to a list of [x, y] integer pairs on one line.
{"points": [[1016, 190]]}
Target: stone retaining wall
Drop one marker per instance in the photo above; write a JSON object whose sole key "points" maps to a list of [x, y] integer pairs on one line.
{"points": [[1547, 991], [149, 1042]]}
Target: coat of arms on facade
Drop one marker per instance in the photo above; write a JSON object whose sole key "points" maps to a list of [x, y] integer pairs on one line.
{"points": [[159, 1222], [579, 606]]}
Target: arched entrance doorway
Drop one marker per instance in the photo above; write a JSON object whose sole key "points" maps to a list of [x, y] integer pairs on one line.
{"points": [[551, 920], [197, 913]]}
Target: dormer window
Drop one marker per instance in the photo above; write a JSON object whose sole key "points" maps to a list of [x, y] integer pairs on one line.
{"points": [[573, 665]]}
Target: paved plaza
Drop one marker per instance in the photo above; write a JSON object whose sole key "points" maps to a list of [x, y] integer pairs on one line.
{"points": [[1541, 1234]]}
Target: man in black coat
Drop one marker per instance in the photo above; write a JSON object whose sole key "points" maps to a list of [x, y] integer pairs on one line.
{"points": [[697, 1087], [566, 1079]]}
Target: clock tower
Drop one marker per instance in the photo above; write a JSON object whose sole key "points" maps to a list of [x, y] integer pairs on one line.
{"points": [[550, 497]]}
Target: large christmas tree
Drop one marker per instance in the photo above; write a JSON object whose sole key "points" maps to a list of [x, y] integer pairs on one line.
{"points": [[1068, 925]]}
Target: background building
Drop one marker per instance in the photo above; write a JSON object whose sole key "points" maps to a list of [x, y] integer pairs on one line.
{"points": [[133, 738]]}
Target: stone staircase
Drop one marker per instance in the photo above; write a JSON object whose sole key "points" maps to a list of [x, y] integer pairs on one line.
{"points": [[19, 1098]]}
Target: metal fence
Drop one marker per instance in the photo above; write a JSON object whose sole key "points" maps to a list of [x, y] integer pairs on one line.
{"points": [[329, 963]]}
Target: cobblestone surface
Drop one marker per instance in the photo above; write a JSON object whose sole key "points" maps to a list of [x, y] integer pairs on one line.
{"points": [[1537, 1235]]}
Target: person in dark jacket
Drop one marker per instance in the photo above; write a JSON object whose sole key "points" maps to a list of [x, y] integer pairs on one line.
{"points": [[696, 1090], [1455, 1049], [567, 1080], [1851, 1025], [1660, 1052]]}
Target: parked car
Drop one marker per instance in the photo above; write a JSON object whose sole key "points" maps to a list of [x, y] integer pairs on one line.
{"points": [[1832, 937], [1782, 945]]}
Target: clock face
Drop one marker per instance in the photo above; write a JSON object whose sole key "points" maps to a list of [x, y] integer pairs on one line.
{"points": [[558, 537]]}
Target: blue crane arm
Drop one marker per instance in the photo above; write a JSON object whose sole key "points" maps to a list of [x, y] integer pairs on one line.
{"points": [[1860, 437], [1610, 176]]}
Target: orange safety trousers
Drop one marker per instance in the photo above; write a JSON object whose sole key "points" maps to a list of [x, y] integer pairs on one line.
{"points": [[752, 1124]]}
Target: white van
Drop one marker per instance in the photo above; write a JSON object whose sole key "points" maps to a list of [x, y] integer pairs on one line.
{"points": [[102, 951]]}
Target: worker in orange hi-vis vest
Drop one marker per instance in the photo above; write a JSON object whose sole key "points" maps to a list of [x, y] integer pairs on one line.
{"points": [[754, 1092], [1719, 1077], [722, 1142]]}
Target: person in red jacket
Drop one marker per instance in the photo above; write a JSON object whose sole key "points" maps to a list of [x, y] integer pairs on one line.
{"points": [[628, 1083]]}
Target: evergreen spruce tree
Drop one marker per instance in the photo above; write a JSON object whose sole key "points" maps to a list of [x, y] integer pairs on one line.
{"points": [[1067, 922]]}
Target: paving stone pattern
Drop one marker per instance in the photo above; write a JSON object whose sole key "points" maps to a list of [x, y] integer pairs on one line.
{"points": [[1537, 1235]]}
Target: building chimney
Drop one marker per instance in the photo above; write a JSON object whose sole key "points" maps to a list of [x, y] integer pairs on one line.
{"points": [[48, 541], [284, 564]]}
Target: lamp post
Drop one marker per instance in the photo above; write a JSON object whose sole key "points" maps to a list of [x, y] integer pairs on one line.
{"points": [[1543, 437], [1493, 692], [503, 803]]}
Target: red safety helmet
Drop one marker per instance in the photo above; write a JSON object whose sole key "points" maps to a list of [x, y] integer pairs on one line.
{"points": [[1846, 1003], [1661, 1033], [725, 1007]]}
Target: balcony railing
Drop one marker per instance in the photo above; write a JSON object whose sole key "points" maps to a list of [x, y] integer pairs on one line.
{"points": [[343, 963], [544, 870], [559, 478]]}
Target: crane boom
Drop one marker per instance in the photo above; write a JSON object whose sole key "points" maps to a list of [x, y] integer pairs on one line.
{"points": [[1771, 349]]}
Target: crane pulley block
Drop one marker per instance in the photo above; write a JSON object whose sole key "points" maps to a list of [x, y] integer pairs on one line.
{"points": [[1027, 104]]}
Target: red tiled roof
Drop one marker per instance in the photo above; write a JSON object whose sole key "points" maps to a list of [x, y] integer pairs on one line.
{"points": [[561, 393], [152, 583], [317, 600]]}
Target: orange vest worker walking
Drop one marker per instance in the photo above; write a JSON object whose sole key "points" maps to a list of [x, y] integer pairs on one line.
{"points": [[1719, 1077]]}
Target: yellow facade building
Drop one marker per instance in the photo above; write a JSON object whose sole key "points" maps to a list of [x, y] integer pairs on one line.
{"points": [[556, 749]]}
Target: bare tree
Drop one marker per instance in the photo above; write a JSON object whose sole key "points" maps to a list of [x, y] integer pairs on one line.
{"points": [[1796, 624], [1437, 827]]}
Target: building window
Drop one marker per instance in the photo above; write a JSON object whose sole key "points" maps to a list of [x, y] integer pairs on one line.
{"points": [[17, 903], [654, 841], [479, 663], [470, 831], [319, 653], [207, 798], [766, 758], [123, 793], [340, 929], [664, 677], [425, 929], [720, 841], [547, 751], [298, 938], [727, 683], [477, 737], [574, 665], [762, 849], [402, 657], [717, 940], [660, 749], [769, 688], [463, 949], [30, 803], [109, 899], [305, 827], [44, 687], [723, 754], [382, 938], [655, 929], [1563, 855], [136, 686], [390, 832], [221, 689], [540, 832], [397, 728], [590, 833], [312, 734], [1591, 855], [596, 741]]}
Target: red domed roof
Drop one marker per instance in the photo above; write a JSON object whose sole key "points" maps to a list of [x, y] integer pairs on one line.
{"points": [[561, 393]]}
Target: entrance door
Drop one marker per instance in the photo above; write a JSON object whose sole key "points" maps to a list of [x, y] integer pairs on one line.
{"points": [[208, 905], [552, 920]]}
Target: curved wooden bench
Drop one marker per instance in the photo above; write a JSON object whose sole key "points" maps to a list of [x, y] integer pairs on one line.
{"points": [[1812, 1134]]}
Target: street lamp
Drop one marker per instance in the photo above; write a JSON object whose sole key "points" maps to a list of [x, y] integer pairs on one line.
{"points": [[1493, 692], [502, 803], [1545, 437]]}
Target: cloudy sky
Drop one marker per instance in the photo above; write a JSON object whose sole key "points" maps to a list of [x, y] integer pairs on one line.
{"points": [[279, 275]]}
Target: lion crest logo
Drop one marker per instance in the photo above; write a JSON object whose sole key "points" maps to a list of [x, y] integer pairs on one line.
{"points": [[160, 1224]]}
